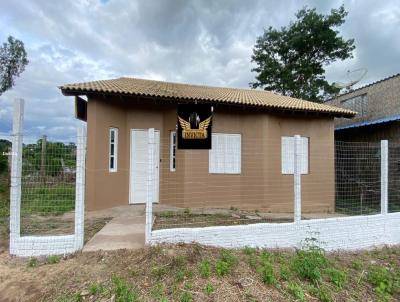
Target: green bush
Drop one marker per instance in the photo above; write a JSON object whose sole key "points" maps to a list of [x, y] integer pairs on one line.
{"points": [[205, 269], [225, 263], [357, 264], [384, 280], [337, 277], [266, 272], [297, 291], [221, 268], [308, 264], [53, 259], [285, 273]]}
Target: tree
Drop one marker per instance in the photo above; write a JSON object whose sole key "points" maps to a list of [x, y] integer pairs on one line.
{"points": [[13, 59], [292, 60]]}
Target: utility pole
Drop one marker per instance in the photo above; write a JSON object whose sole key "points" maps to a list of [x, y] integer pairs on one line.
{"points": [[43, 158]]}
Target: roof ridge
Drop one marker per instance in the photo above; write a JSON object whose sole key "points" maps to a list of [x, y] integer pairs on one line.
{"points": [[199, 85]]}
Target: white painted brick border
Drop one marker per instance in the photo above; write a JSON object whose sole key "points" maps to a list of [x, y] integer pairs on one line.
{"points": [[345, 233]]}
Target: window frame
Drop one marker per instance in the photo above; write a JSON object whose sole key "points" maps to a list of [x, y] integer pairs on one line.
{"points": [[172, 151], [212, 163], [113, 156]]}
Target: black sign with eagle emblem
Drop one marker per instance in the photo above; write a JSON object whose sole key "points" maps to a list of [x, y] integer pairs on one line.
{"points": [[194, 126]]}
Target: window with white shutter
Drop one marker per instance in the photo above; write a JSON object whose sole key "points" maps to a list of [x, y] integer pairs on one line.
{"points": [[225, 154], [288, 154]]}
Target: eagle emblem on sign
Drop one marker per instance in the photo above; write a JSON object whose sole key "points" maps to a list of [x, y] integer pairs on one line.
{"points": [[194, 128]]}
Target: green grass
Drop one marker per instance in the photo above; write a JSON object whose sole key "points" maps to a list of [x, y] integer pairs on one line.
{"points": [[172, 273], [123, 291], [297, 291], [386, 282], [205, 269], [4, 198], [225, 263], [53, 259], [48, 199], [308, 264], [337, 277]]}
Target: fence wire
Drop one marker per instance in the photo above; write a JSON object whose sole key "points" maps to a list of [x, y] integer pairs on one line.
{"points": [[358, 178], [337, 180], [5, 153], [394, 178], [241, 182], [48, 187]]}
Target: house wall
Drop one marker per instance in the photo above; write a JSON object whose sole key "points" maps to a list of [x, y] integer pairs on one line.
{"points": [[382, 100], [260, 184]]}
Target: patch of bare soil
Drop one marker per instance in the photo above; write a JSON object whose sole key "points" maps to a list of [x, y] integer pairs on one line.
{"points": [[194, 273], [51, 225], [214, 217]]}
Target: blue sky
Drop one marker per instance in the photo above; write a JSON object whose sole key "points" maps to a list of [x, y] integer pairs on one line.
{"points": [[199, 42]]}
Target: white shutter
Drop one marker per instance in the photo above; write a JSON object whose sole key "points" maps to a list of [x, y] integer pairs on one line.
{"points": [[233, 158], [211, 154], [225, 154], [304, 155], [287, 154]]}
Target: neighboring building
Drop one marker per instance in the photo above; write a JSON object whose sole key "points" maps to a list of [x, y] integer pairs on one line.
{"points": [[378, 112], [251, 131]]}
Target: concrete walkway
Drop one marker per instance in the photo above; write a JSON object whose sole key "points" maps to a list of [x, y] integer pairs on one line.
{"points": [[122, 232]]}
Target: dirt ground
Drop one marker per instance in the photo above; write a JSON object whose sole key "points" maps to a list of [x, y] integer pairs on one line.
{"points": [[173, 273]]}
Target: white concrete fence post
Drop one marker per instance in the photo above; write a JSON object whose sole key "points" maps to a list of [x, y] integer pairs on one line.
{"points": [[150, 184], [80, 187], [16, 174], [384, 176], [297, 177]]}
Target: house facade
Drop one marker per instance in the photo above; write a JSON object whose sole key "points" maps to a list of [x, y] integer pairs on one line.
{"points": [[378, 112], [248, 165]]}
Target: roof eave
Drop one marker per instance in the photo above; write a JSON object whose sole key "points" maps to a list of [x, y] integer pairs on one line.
{"points": [[78, 92]]}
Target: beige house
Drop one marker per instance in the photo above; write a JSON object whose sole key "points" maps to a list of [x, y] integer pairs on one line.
{"points": [[249, 165]]}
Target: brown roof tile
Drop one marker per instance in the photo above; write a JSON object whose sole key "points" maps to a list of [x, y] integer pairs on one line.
{"points": [[248, 97]]}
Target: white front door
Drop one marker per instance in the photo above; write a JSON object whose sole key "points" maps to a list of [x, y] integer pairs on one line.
{"points": [[139, 166]]}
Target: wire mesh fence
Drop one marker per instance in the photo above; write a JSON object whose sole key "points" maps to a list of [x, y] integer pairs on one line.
{"points": [[5, 161], [242, 180], [48, 187], [394, 178], [358, 178], [218, 187]]}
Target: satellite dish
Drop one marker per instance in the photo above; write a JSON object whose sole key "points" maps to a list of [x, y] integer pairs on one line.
{"points": [[354, 77]]}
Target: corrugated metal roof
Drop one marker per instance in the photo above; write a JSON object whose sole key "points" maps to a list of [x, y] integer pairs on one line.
{"points": [[386, 119], [177, 91]]}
